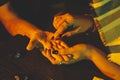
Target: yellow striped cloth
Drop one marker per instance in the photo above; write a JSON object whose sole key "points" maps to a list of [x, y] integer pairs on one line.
{"points": [[108, 15]]}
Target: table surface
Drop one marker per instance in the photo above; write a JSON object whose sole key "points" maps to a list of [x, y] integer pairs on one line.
{"points": [[15, 60]]}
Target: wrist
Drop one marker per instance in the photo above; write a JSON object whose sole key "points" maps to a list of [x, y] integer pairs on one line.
{"points": [[81, 50], [91, 52], [86, 51]]}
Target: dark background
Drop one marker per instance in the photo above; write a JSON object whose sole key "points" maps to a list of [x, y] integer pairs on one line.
{"points": [[32, 64]]}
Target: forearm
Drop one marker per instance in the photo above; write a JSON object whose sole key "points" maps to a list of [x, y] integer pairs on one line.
{"points": [[14, 24], [19, 26], [100, 60]]}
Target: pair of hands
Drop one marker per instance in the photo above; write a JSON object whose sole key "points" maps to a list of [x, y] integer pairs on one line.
{"points": [[61, 23], [66, 54], [44, 42]]}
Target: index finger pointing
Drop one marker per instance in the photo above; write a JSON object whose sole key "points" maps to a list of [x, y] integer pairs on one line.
{"points": [[60, 30]]}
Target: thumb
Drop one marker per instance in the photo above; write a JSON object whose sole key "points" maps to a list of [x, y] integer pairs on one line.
{"points": [[67, 34], [30, 45], [72, 32]]}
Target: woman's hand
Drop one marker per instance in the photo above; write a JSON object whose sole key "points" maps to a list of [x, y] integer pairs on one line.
{"points": [[78, 52], [65, 21], [53, 54], [55, 59], [67, 55]]}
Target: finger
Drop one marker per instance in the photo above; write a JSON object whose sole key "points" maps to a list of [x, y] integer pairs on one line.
{"points": [[58, 44], [66, 58], [44, 52], [60, 30], [47, 44], [47, 54], [73, 32], [54, 45], [53, 58], [30, 45], [58, 57], [63, 44], [56, 20], [65, 51], [60, 22], [49, 35], [67, 34]]}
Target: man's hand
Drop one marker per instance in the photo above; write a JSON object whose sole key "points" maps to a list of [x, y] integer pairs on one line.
{"points": [[65, 21], [39, 40], [43, 39]]}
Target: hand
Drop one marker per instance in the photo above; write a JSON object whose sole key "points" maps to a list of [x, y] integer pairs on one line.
{"points": [[15, 25], [65, 21], [40, 40], [78, 52], [67, 55], [55, 58], [43, 39]]}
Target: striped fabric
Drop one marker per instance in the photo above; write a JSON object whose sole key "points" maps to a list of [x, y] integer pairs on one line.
{"points": [[108, 15]]}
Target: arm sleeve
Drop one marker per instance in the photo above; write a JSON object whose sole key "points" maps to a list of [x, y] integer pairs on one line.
{"points": [[3, 2]]}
